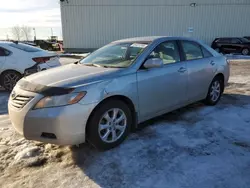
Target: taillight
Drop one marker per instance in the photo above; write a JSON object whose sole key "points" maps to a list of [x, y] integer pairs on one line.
{"points": [[42, 59]]}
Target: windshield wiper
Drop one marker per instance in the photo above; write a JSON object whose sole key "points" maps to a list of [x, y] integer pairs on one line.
{"points": [[93, 65], [102, 66], [107, 66]]}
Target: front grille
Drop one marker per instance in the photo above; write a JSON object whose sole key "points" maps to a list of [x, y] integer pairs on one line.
{"points": [[20, 101]]}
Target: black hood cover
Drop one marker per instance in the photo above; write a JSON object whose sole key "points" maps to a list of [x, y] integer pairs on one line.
{"points": [[42, 89]]}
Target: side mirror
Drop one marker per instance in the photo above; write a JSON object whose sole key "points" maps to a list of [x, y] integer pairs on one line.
{"points": [[153, 63]]}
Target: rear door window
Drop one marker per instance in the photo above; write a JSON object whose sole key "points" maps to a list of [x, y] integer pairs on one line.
{"points": [[235, 41], [4, 52], [206, 53], [25, 47], [191, 50], [224, 40]]}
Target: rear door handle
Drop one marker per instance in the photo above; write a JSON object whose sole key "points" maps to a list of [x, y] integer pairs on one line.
{"points": [[182, 69], [212, 63]]}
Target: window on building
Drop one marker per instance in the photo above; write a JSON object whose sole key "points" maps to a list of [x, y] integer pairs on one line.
{"points": [[167, 51], [192, 50]]}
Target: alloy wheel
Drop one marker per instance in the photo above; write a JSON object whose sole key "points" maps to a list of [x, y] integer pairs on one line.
{"points": [[112, 125], [10, 79], [245, 51], [215, 91]]}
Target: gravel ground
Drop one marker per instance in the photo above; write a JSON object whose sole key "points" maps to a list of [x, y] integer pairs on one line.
{"points": [[196, 146]]}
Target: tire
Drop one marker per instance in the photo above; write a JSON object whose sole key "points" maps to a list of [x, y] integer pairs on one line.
{"points": [[245, 51], [9, 79], [101, 138], [215, 89]]}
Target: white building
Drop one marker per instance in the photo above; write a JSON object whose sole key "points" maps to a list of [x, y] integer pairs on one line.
{"points": [[90, 24]]}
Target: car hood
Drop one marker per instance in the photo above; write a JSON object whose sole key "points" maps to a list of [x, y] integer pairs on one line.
{"points": [[72, 75]]}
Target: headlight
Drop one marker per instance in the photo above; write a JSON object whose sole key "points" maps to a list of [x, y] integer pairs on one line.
{"points": [[59, 100]]}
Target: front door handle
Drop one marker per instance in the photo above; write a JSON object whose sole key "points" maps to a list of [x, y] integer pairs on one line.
{"points": [[182, 69], [212, 63]]}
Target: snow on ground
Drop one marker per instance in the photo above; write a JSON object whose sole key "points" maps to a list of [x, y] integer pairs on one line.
{"points": [[196, 146]]}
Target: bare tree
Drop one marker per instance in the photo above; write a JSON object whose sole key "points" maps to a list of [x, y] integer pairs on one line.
{"points": [[26, 32], [17, 32]]}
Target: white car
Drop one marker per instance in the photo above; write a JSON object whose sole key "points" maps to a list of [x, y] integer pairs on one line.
{"points": [[18, 60]]}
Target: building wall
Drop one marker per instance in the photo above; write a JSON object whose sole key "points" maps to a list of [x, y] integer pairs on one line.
{"points": [[94, 23]]}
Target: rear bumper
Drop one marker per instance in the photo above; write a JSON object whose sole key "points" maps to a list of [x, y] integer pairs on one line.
{"points": [[31, 70], [41, 67]]}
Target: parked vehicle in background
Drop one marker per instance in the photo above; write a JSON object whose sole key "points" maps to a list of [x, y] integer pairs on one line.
{"points": [[47, 45], [18, 60], [232, 45], [247, 37], [105, 95]]}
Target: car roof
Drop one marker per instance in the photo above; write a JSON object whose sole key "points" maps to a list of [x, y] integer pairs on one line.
{"points": [[149, 39], [229, 37], [138, 39], [5, 42]]}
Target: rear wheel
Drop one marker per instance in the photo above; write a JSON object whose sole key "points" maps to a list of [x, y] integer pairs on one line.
{"points": [[245, 51], [9, 79], [109, 125], [215, 91]]}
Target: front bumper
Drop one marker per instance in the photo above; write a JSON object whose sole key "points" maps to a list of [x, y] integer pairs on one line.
{"points": [[66, 124]]}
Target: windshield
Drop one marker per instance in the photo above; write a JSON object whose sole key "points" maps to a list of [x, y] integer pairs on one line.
{"points": [[115, 55]]}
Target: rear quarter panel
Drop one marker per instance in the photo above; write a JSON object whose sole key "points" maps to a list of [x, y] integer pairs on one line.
{"points": [[18, 61], [223, 67]]}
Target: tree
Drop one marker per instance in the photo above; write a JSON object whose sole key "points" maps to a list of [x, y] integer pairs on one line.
{"points": [[26, 32], [17, 32]]}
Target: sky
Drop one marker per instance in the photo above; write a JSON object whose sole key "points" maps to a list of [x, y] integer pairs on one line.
{"points": [[39, 14]]}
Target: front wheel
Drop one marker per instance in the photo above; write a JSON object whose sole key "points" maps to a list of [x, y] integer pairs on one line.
{"points": [[9, 79], [109, 125], [215, 91]]}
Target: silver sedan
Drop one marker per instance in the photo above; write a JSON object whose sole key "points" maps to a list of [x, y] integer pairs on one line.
{"points": [[104, 96]]}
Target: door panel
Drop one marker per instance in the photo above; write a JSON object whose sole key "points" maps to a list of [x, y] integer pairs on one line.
{"points": [[200, 75], [160, 89], [201, 67], [234, 45]]}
